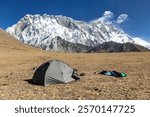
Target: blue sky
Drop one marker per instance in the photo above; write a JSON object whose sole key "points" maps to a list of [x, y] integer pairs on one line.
{"points": [[138, 11]]}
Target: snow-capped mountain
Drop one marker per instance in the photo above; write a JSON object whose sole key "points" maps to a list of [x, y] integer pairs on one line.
{"points": [[42, 31], [139, 41]]}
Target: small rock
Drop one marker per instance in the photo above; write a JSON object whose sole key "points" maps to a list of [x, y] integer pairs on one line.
{"points": [[5, 84], [6, 77], [82, 74], [34, 68], [96, 89], [79, 98], [96, 73]]}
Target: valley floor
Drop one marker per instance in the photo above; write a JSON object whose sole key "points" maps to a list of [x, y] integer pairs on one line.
{"points": [[16, 70]]}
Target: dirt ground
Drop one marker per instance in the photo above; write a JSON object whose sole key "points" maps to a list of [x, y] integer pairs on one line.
{"points": [[18, 60]]}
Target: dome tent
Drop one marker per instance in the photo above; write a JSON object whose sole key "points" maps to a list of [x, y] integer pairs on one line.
{"points": [[54, 71]]}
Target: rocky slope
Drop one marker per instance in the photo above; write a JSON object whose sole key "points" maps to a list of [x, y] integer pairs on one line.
{"points": [[117, 47]]}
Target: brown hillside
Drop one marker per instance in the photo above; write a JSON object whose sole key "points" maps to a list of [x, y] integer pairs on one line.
{"points": [[16, 69], [9, 44]]}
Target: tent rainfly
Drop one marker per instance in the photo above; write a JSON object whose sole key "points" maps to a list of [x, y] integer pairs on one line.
{"points": [[53, 72]]}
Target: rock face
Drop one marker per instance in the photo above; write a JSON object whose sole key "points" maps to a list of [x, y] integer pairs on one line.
{"points": [[43, 31], [117, 47], [57, 44]]}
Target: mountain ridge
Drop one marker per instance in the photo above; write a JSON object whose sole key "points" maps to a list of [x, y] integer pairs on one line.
{"points": [[36, 30], [117, 47]]}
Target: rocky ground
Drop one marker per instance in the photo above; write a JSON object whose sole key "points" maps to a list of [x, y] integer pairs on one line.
{"points": [[17, 71]]}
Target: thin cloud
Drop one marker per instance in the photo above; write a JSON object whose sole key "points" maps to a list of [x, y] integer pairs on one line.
{"points": [[107, 16], [122, 18]]}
